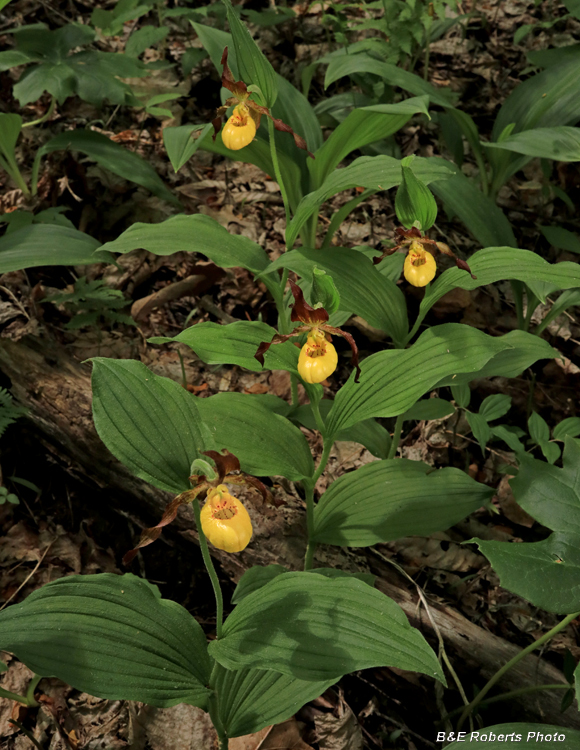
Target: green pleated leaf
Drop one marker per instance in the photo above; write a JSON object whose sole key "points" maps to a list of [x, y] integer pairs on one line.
{"points": [[559, 143], [111, 156], [151, 424], [546, 573], [362, 126], [48, 245], [374, 172], [192, 234], [561, 238], [522, 350], [346, 65], [480, 428], [430, 408], [314, 628], [258, 576], [497, 264], [113, 637], [495, 406], [569, 426], [414, 202], [375, 438], [362, 288], [234, 344], [387, 500], [253, 67], [392, 381], [534, 735], [251, 699], [266, 443], [182, 142], [478, 212], [549, 494]]}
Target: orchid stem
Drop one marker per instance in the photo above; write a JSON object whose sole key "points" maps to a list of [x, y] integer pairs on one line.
{"points": [[396, 436], [277, 172], [219, 602]]}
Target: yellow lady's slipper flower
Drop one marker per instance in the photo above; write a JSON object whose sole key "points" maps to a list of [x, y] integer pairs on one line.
{"points": [[240, 129], [225, 521], [420, 266], [318, 358]]}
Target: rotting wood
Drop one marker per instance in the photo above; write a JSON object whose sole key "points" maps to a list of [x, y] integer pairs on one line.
{"points": [[57, 391]]}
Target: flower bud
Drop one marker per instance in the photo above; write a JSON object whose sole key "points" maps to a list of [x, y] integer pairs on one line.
{"points": [[225, 521], [420, 266], [318, 358], [239, 130]]}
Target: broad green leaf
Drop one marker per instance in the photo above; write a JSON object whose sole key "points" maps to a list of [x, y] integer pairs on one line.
{"points": [[265, 443], [234, 344], [364, 125], [392, 381], [369, 433], [48, 245], [324, 292], [111, 636], [430, 408], [362, 288], [559, 143], [480, 428], [151, 424], [503, 432], [258, 576], [10, 127], [111, 156], [549, 99], [192, 234], [253, 66], [546, 573], [387, 500], [315, 628], [10, 58], [143, 38], [568, 739], [522, 350], [496, 406], [346, 65], [372, 172], [180, 143], [538, 428], [561, 238], [251, 699], [461, 394], [480, 215], [498, 264], [543, 58], [569, 426], [414, 202], [549, 494]]}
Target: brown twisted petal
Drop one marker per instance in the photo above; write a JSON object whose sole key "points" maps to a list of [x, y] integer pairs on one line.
{"points": [[225, 462], [302, 312], [353, 347], [277, 339], [148, 536]]}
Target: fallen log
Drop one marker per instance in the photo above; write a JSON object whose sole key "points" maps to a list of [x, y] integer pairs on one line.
{"points": [[56, 390]]}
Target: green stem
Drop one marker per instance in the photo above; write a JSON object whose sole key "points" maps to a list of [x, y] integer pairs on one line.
{"points": [[518, 291], [309, 487], [277, 172], [219, 602], [396, 436], [183, 377], [49, 112], [8, 164], [317, 416], [511, 663], [533, 303], [32, 685], [9, 695], [512, 694]]}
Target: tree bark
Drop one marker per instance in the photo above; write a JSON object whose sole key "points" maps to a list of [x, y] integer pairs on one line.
{"points": [[56, 390]]}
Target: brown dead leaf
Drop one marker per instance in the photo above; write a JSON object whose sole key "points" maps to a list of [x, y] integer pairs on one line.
{"points": [[284, 736], [339, 732], [437, 551], [257, 388], [511, 510]]}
